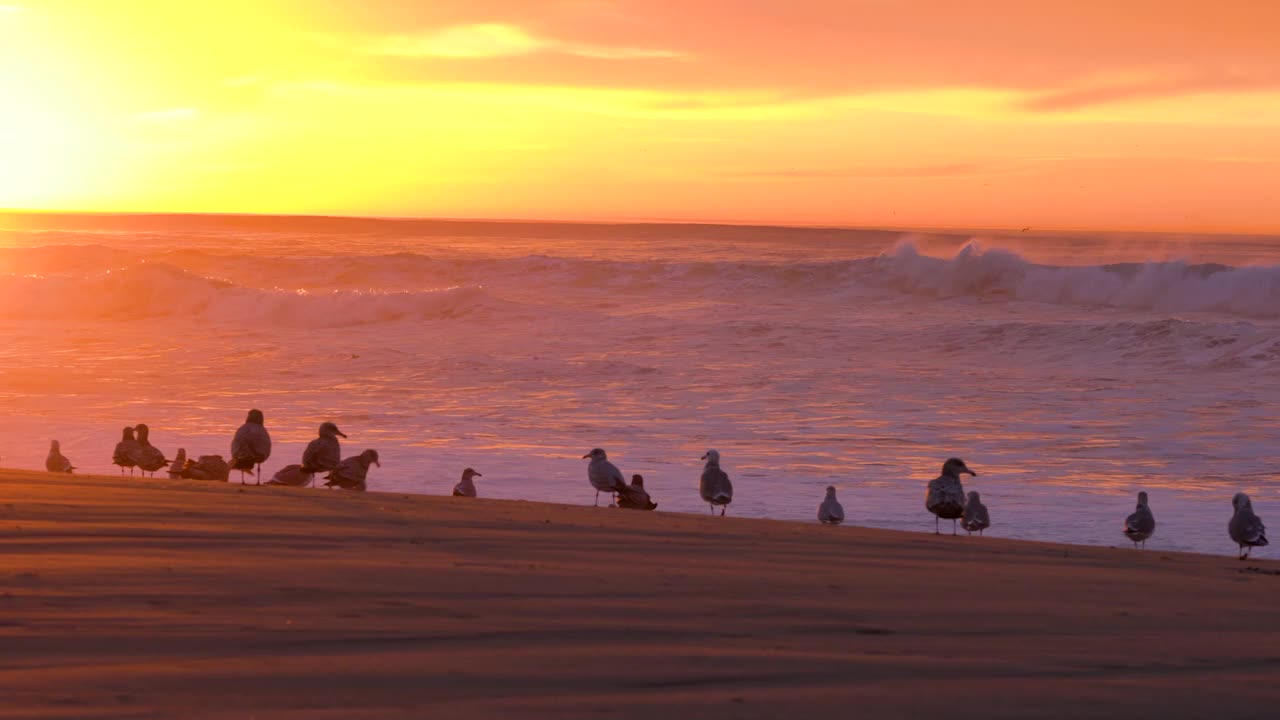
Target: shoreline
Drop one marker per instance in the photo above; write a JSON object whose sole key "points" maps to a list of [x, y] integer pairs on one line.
{"points": [[178, 598], [179, 484]]}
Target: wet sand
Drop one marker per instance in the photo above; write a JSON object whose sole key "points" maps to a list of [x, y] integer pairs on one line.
{"points": [[158, 598]]}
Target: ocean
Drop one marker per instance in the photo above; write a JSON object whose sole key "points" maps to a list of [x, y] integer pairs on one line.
{"points": [[1070, 370]]}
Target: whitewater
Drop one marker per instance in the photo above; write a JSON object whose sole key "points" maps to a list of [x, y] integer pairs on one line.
{"points": [[1069, 370]]}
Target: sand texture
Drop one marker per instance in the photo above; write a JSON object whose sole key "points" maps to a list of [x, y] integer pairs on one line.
{"points": [[158, 598]]}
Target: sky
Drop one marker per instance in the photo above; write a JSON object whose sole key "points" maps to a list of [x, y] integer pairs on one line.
{"points": [[1134, 115]]}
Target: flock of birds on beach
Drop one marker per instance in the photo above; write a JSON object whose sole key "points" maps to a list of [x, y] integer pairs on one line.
{"points": [[251, 446]]}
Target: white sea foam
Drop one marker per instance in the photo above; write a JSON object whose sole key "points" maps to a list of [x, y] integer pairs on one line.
{"points": [[1159, 286]]}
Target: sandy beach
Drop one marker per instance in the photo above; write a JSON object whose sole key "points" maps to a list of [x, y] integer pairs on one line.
{"points": [[140, 598]]}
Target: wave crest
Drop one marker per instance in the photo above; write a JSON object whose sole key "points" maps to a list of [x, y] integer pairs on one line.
{"points": [[1166, 286]]}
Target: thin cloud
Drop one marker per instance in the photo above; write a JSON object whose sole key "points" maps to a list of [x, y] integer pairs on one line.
{"points": [[1107, 93], [958, 169], [494, 40]]}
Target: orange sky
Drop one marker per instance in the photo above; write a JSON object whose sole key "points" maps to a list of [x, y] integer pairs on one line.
{"points": [[1064, 113]]}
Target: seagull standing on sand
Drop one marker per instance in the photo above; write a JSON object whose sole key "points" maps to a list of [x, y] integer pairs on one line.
{"points": [[1140, 524], [350, 473], [322, 454], [714, 486], [945, 498], [830, 512], [1245, 528], [604, 475], [251, 446], [325, 452], [56, 462], [466, 487], [635, 497], [976, 518], [146, 456], [125, 451]]}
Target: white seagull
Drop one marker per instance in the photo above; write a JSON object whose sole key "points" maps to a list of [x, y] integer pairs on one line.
{"points": [[466, 487], [604, 475]]}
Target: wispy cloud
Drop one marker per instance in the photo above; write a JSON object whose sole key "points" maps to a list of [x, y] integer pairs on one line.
{"points": [[489, 40], [938, 170], [1111, 91]]}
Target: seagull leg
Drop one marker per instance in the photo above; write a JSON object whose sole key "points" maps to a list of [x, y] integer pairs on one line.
{"points": [[935, 526], [726, 507], [712, 507], [258, 475], [953, 526], [597, 504]]}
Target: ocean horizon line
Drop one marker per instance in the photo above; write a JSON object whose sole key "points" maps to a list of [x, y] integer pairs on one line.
{"points": [[944, 230]]}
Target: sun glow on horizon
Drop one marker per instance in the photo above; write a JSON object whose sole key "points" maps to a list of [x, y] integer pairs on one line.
{"points": [[616, 110]]}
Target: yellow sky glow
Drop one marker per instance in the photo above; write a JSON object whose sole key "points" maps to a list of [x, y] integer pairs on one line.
{"points": [[850, 113]]}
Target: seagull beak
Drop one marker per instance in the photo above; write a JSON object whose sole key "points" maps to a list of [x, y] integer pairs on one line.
{"points": [[584, 457], [375, 462], [704, 457], [339, 432], [970, 472], [479, 474]]}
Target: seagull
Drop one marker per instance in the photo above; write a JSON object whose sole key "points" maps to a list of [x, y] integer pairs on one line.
{"points": [[465, 486], [830, 512], [207, 467], [350, 473], [1245, 527], [251, 446], [634, 496], [714, 486], [291, 475], [124, 452], [945, 498], [324, 453], [976, 517], [1140, 524], [178, 464], [146, 456], [56, 462], [604, 475]]}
